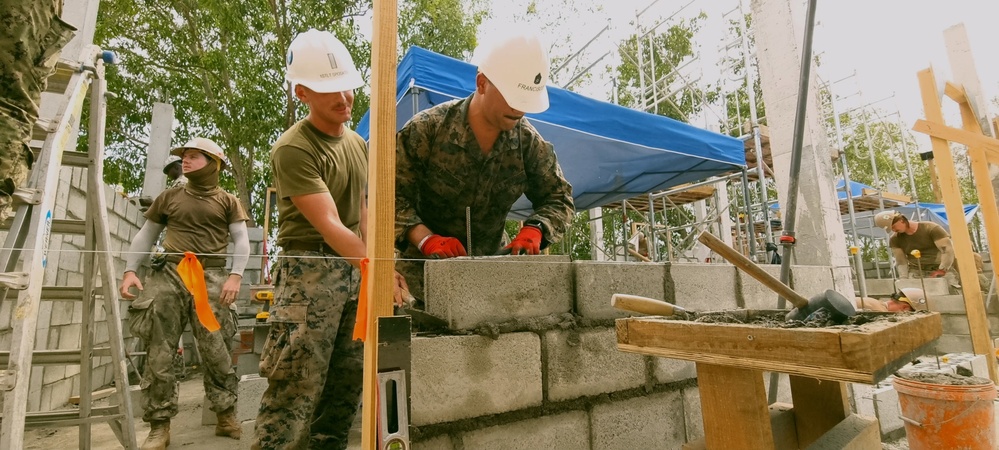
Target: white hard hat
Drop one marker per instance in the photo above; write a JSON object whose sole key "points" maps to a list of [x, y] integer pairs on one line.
{"points": [[319, 61], [206, 146], [518, 66], [172, 159], [914, 297], [883, 219]]}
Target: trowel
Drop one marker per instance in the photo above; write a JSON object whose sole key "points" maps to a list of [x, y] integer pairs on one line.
{"points": [[655, 307], [422, 320]]}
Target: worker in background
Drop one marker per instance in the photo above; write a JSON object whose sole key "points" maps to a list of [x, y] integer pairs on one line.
{"points": [[200, 219], [174, 172], [935, 250], [479, 155], [908, 299], [31, 37], [313, 367]]}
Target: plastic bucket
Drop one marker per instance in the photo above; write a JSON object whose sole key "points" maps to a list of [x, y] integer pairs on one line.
{"points": [[939, 416]]}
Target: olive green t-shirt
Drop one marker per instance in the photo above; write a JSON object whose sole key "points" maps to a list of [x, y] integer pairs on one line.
{"points": [[305, 161], [196, 223], [927, 233]]}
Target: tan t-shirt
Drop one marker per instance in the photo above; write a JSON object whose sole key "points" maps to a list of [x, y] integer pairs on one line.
{"points": [[923, 240], [195, 223], [307, 161]]}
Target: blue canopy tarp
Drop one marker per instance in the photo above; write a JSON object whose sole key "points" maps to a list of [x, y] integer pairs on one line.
{"points": [[607, 152], [925, 212]]}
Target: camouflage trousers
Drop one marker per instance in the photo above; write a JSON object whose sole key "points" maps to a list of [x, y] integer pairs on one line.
{"points": [[313, 367], [158, 316], [31, 37]]}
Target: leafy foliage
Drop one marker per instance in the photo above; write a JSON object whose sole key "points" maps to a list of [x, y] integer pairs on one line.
{"points": [[221, 65]]}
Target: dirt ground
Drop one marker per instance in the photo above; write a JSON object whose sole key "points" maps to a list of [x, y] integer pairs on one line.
{"points": [[186, 431]]}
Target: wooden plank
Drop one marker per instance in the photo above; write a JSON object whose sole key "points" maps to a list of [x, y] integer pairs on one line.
{"points": [[894, 343], [781, 424], [901, 198], [818, 407], [734, 408], [945, 133], [973, 300], [96, 395], [381, 203], [859, 355]]}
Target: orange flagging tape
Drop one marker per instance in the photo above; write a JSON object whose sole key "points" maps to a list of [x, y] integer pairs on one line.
{"points": [[361, 322], [193, 276]]}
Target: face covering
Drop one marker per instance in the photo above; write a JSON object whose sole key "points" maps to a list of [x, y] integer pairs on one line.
{"points": [[204, 181]]}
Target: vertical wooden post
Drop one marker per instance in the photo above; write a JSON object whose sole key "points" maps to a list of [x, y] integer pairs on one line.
{"points": [[973, 302], [381, 203]]}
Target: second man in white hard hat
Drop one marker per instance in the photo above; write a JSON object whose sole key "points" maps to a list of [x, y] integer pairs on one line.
{"points": [[313, 367], [461, 165]]}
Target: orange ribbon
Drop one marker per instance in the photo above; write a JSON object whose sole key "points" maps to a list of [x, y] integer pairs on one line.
{"points": [[193, 276], [361, 322]]}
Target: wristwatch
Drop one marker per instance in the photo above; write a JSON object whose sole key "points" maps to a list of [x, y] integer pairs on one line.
{"points": [[536, 224]]}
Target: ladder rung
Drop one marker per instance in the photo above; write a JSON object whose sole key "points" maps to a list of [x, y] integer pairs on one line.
{"points": [[69, 226], [75, 159], [56, 293], [42, 128], [59, 80], [55, 357], [70, 417]]}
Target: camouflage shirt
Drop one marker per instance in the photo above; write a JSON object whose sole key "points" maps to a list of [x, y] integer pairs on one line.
{"points": [[441, 170]]}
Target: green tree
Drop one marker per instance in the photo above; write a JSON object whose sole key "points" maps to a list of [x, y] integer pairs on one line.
{"points": [[221, 65], [667, 93]]}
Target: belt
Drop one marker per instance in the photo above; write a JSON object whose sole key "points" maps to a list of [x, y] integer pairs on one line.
{"points": [[320, 247], [206, 261]]}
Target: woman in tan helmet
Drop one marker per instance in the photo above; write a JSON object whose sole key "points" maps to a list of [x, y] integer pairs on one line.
{"points": [[193, 287]]}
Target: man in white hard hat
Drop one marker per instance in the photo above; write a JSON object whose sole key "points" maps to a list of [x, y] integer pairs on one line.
{"points": [[174, 171], [478, 155], [313, 366], [193, 287]]}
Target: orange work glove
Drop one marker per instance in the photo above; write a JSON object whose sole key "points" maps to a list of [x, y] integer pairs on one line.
{"points": [[938, 273], [442, 247], [527, 241]]}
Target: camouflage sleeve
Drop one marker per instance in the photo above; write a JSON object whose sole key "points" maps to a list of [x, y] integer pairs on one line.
{"points": [[547, 189], [408, 167]]}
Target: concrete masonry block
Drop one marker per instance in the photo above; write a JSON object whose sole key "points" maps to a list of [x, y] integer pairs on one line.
{"points": [[813, 280], [457, 377], [934, 286], [783, 387], [666, 370], [842, 280], [70, 336], [251, 390], [135, 395], [702, 287], [468, 292], [587, 362], [637, 422], [51, 374], [755, 295], [62, 313], [692, 418], [569, 431], [597, 281], [887, 409]]}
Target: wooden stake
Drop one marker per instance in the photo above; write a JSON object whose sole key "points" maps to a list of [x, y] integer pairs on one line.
{"points": [[381, 203], [973, 302]]}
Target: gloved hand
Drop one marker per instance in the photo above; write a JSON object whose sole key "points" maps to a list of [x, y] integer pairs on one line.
{"points": [[938, 273], [527, 241], [442, 247]]}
